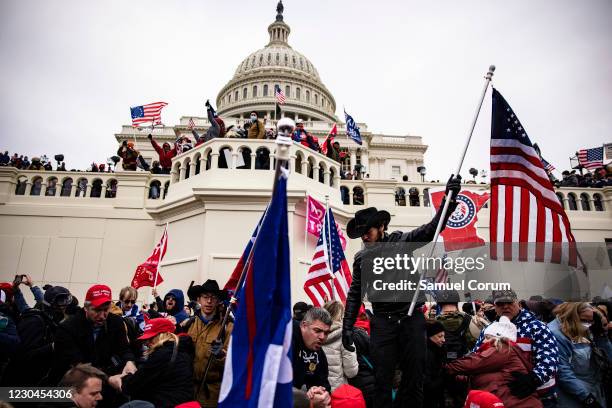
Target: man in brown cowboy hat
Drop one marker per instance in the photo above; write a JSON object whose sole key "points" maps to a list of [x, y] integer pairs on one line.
{"points": [[395, 336]]}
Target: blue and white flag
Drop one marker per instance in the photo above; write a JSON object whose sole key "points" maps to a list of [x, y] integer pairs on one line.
{"points": [[258, 371], [352, 130]]}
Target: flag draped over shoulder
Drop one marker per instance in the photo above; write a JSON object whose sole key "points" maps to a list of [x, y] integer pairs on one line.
{"points": [[329, 276], [149, 113], [145, 272], [524, 207], [258, 371]]}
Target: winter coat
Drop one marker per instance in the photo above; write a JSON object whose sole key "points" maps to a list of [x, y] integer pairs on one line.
{"points": [[457, 334], [129, 157], [9, 339], [341, 364], [433, 376], [364, 380], [74, 343], [32, 364], [309, 367], [491, 370], [539, 345], [577, 377], [203, 334], [257, 130], [163, 379], [165, 157], [418, 237]]}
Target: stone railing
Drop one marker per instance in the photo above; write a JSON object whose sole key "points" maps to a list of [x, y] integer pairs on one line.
{"points": [[252, 154], [32, 184], [389, 193]]}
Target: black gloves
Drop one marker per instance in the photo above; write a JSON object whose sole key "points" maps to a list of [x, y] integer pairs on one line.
{"points": [[150, 136], [454, 186], [591, 402], [597, 328], [216, 348], [207, 104], [523, 385], [347, 338]]}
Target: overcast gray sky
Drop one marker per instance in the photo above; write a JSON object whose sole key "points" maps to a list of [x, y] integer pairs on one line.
{"points": [[70, 69]]}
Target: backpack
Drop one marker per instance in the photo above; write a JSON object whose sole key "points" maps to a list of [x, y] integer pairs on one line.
{"points": [[455, 341]]}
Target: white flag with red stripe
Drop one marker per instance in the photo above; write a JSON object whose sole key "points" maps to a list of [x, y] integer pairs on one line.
{"points": [[329, 276], [524, 207]]}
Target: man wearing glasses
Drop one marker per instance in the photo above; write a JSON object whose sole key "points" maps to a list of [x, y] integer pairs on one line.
{"points": [[204, 329], [32, 363]]}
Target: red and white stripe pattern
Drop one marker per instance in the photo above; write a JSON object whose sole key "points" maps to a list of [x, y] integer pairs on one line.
{"points": [[191, 124], [149, 113], [329, 277], [280, 95], [527, 221]]}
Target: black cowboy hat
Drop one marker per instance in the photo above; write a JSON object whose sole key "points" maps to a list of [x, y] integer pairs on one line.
{"points": [[210, 286], [366, 219]]}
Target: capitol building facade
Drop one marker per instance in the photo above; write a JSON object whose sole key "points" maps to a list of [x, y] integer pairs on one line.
{"points": [[78, 228]]}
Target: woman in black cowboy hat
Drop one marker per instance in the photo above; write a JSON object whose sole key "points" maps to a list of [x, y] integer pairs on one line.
{"points": [[395, 336]]}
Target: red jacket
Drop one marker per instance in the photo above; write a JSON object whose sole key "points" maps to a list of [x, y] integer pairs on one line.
{"points": [[490, 370], [165, 158]]}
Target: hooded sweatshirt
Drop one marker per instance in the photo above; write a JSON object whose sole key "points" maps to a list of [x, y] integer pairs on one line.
{"points": [[179, 309]]}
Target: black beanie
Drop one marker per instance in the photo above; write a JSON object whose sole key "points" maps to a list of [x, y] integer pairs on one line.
{"points": [[434, 327]]}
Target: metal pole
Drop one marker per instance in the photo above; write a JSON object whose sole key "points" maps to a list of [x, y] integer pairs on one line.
{"points": [[447, 201], [330, 262], [282, 157]]}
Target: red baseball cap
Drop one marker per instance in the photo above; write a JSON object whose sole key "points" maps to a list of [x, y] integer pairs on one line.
{"points": [[97, 295], [6, 292], [482, 399], [157, 326]]}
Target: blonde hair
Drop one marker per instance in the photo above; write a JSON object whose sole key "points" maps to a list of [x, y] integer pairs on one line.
{"points": [[335, 309], [128, 290], [568, 314], [159, 340]]}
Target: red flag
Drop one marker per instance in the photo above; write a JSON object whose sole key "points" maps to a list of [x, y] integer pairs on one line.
{"points": [[315, 214], [332, 133], [460, 231], [145, 272]]}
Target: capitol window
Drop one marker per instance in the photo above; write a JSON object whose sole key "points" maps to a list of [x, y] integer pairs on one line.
{"points": [[244, 93], [265, 90], [316, 99], [288, 91], [254, 91], [236, 96], [229, 98], [307, 96], [297, 93], [277, 58]]}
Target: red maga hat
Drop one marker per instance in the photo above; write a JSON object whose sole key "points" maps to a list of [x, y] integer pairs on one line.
{"points": [[157, 326], [97, 295]]}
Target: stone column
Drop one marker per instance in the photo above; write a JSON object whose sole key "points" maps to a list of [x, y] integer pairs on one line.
{"points": [[214, 156], [103, 193], [203, 161], [272, 156], [87, 189], [253, 156], [192, 168], [183, 172], [28, 189], [353, 159], [234, 159], [337, 178], [315, 172], [292, 163], [305, 167], [73, 188], [326, 174]]}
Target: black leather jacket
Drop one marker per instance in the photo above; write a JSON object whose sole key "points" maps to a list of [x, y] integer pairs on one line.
{"points": [[420, 236]]}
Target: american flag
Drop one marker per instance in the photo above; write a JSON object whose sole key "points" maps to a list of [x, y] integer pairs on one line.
{"points": [[147, 113], [547, 166], [319, 281], [591, 158], [524, 207], [280, 95], [191, 124]]}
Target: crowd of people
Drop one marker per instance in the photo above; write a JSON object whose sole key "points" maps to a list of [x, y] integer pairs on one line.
{"points": [[597, 179]]}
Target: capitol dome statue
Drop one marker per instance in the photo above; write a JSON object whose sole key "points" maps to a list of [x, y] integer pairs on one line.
{"points": [[253, 84]]}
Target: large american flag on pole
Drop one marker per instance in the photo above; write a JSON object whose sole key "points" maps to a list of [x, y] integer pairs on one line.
{"points": [[323, 284], [591, 158], [524, 207], [149, 113]]}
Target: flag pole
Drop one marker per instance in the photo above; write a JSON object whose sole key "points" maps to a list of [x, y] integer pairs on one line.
{"points": [[488, 78], [330, 262], [282, 158]]}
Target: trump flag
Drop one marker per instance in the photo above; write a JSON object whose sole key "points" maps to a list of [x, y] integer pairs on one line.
{"points": [[460, 231], [146, 271], [258, 370]]}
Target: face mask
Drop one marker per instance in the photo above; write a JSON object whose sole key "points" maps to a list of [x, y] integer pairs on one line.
{"points": [[253, 119], [586, 325]]}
